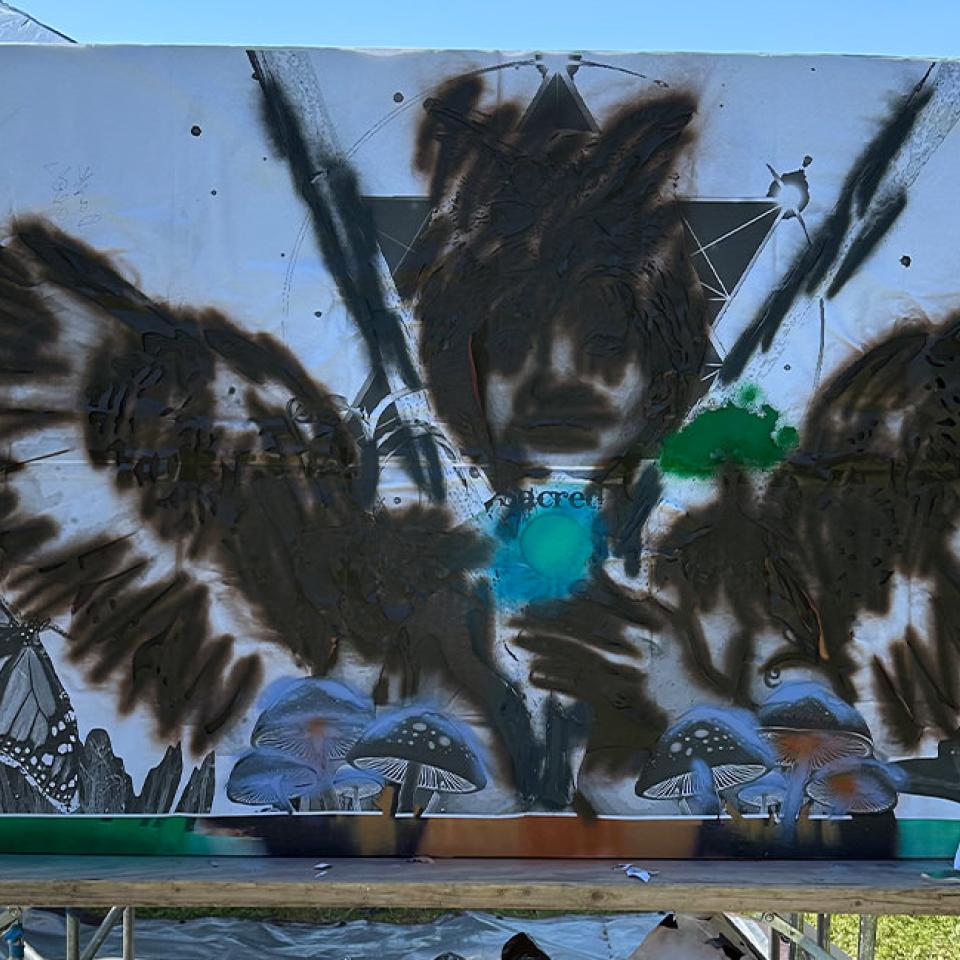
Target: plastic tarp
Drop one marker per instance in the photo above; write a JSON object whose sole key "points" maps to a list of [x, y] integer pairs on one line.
{"points": [[474, 936]]}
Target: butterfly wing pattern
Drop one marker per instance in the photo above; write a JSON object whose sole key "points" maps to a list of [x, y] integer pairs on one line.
{"points": [[38, 727]]}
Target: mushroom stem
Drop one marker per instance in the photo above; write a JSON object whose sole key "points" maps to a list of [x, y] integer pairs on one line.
{"points": [[330, 799], [716, 793], [793, 800], [408, 788]]}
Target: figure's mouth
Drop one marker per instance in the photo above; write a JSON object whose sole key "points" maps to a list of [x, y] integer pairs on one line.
{"points": [[571, 432]]}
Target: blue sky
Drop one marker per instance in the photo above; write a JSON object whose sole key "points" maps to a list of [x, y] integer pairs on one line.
{"points": [[892, 27]]}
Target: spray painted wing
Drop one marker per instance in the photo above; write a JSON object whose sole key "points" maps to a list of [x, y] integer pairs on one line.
{"points": [[38, 727]]}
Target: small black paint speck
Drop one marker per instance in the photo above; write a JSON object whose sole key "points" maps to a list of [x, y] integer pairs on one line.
{"points": [[282, 254], [195, 130], [786, 366], [264, 159], [232, 390], [807, 160], [398, 97], [396, 499], [213, 193], [318, 313], [905, 261]]}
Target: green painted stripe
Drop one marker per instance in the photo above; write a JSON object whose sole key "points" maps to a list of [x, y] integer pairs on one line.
{"points": [[928, 838], [116, 836]]}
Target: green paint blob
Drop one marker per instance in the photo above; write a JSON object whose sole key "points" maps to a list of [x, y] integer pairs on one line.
{"points": [[556, 545], [727, 434]]}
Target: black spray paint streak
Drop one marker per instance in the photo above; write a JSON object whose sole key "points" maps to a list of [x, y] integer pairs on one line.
{"points": [[852, 215], [628, 515], [868, 237], [543, 235], [347, 237]]}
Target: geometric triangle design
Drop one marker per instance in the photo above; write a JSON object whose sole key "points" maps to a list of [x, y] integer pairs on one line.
{"points": [[557, 105], [723, 239], [397, 221]]}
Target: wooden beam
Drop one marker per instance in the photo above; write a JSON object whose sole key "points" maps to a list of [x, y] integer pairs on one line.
{"points": [[704, 886]]}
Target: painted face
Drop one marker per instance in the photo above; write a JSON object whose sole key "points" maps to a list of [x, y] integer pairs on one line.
{"points": [[561, 319], [563, 381], [562, 407]]}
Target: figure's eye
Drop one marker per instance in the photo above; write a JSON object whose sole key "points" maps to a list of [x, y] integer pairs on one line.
{"points": [[603, 345]]}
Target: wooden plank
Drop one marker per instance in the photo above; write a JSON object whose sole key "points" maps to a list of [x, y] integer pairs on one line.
{"points": [[705, 886]]}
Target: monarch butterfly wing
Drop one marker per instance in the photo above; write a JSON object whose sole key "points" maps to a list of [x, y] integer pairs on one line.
{"points": [[38, 727], [11, 632]]}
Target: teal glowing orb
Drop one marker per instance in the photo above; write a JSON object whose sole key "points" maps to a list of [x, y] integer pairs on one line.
{"points": [[556, 545]]}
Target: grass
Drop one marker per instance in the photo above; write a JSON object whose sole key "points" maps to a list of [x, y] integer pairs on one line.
{"points": [[902, 938]]}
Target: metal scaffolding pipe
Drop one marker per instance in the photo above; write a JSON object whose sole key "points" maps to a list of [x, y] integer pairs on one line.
{"points": [[73, 936], [128, 934], [102, 932], [868, 937]]}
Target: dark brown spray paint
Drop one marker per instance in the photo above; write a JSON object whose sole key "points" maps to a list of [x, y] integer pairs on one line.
{"points": [[871, 495], [579, 649], [545, 230], [268, 493]]}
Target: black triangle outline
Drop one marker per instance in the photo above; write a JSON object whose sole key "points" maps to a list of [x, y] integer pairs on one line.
{"points": [[371, 201], [538, 104], [731, 292]]}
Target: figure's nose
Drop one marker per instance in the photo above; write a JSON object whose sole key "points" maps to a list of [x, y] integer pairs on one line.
{"points": [[555, 364], [562, 359]]}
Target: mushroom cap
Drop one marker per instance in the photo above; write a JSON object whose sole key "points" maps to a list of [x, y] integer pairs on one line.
{"points": [[808, 705], [266, 777], [758, 793], [313, 719], [807, 722], [443, 748], [366, 783], [725, 739], [855, 785]]}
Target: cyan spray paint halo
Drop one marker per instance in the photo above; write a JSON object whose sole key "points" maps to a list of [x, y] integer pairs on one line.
{"points": [[545, 553]]}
